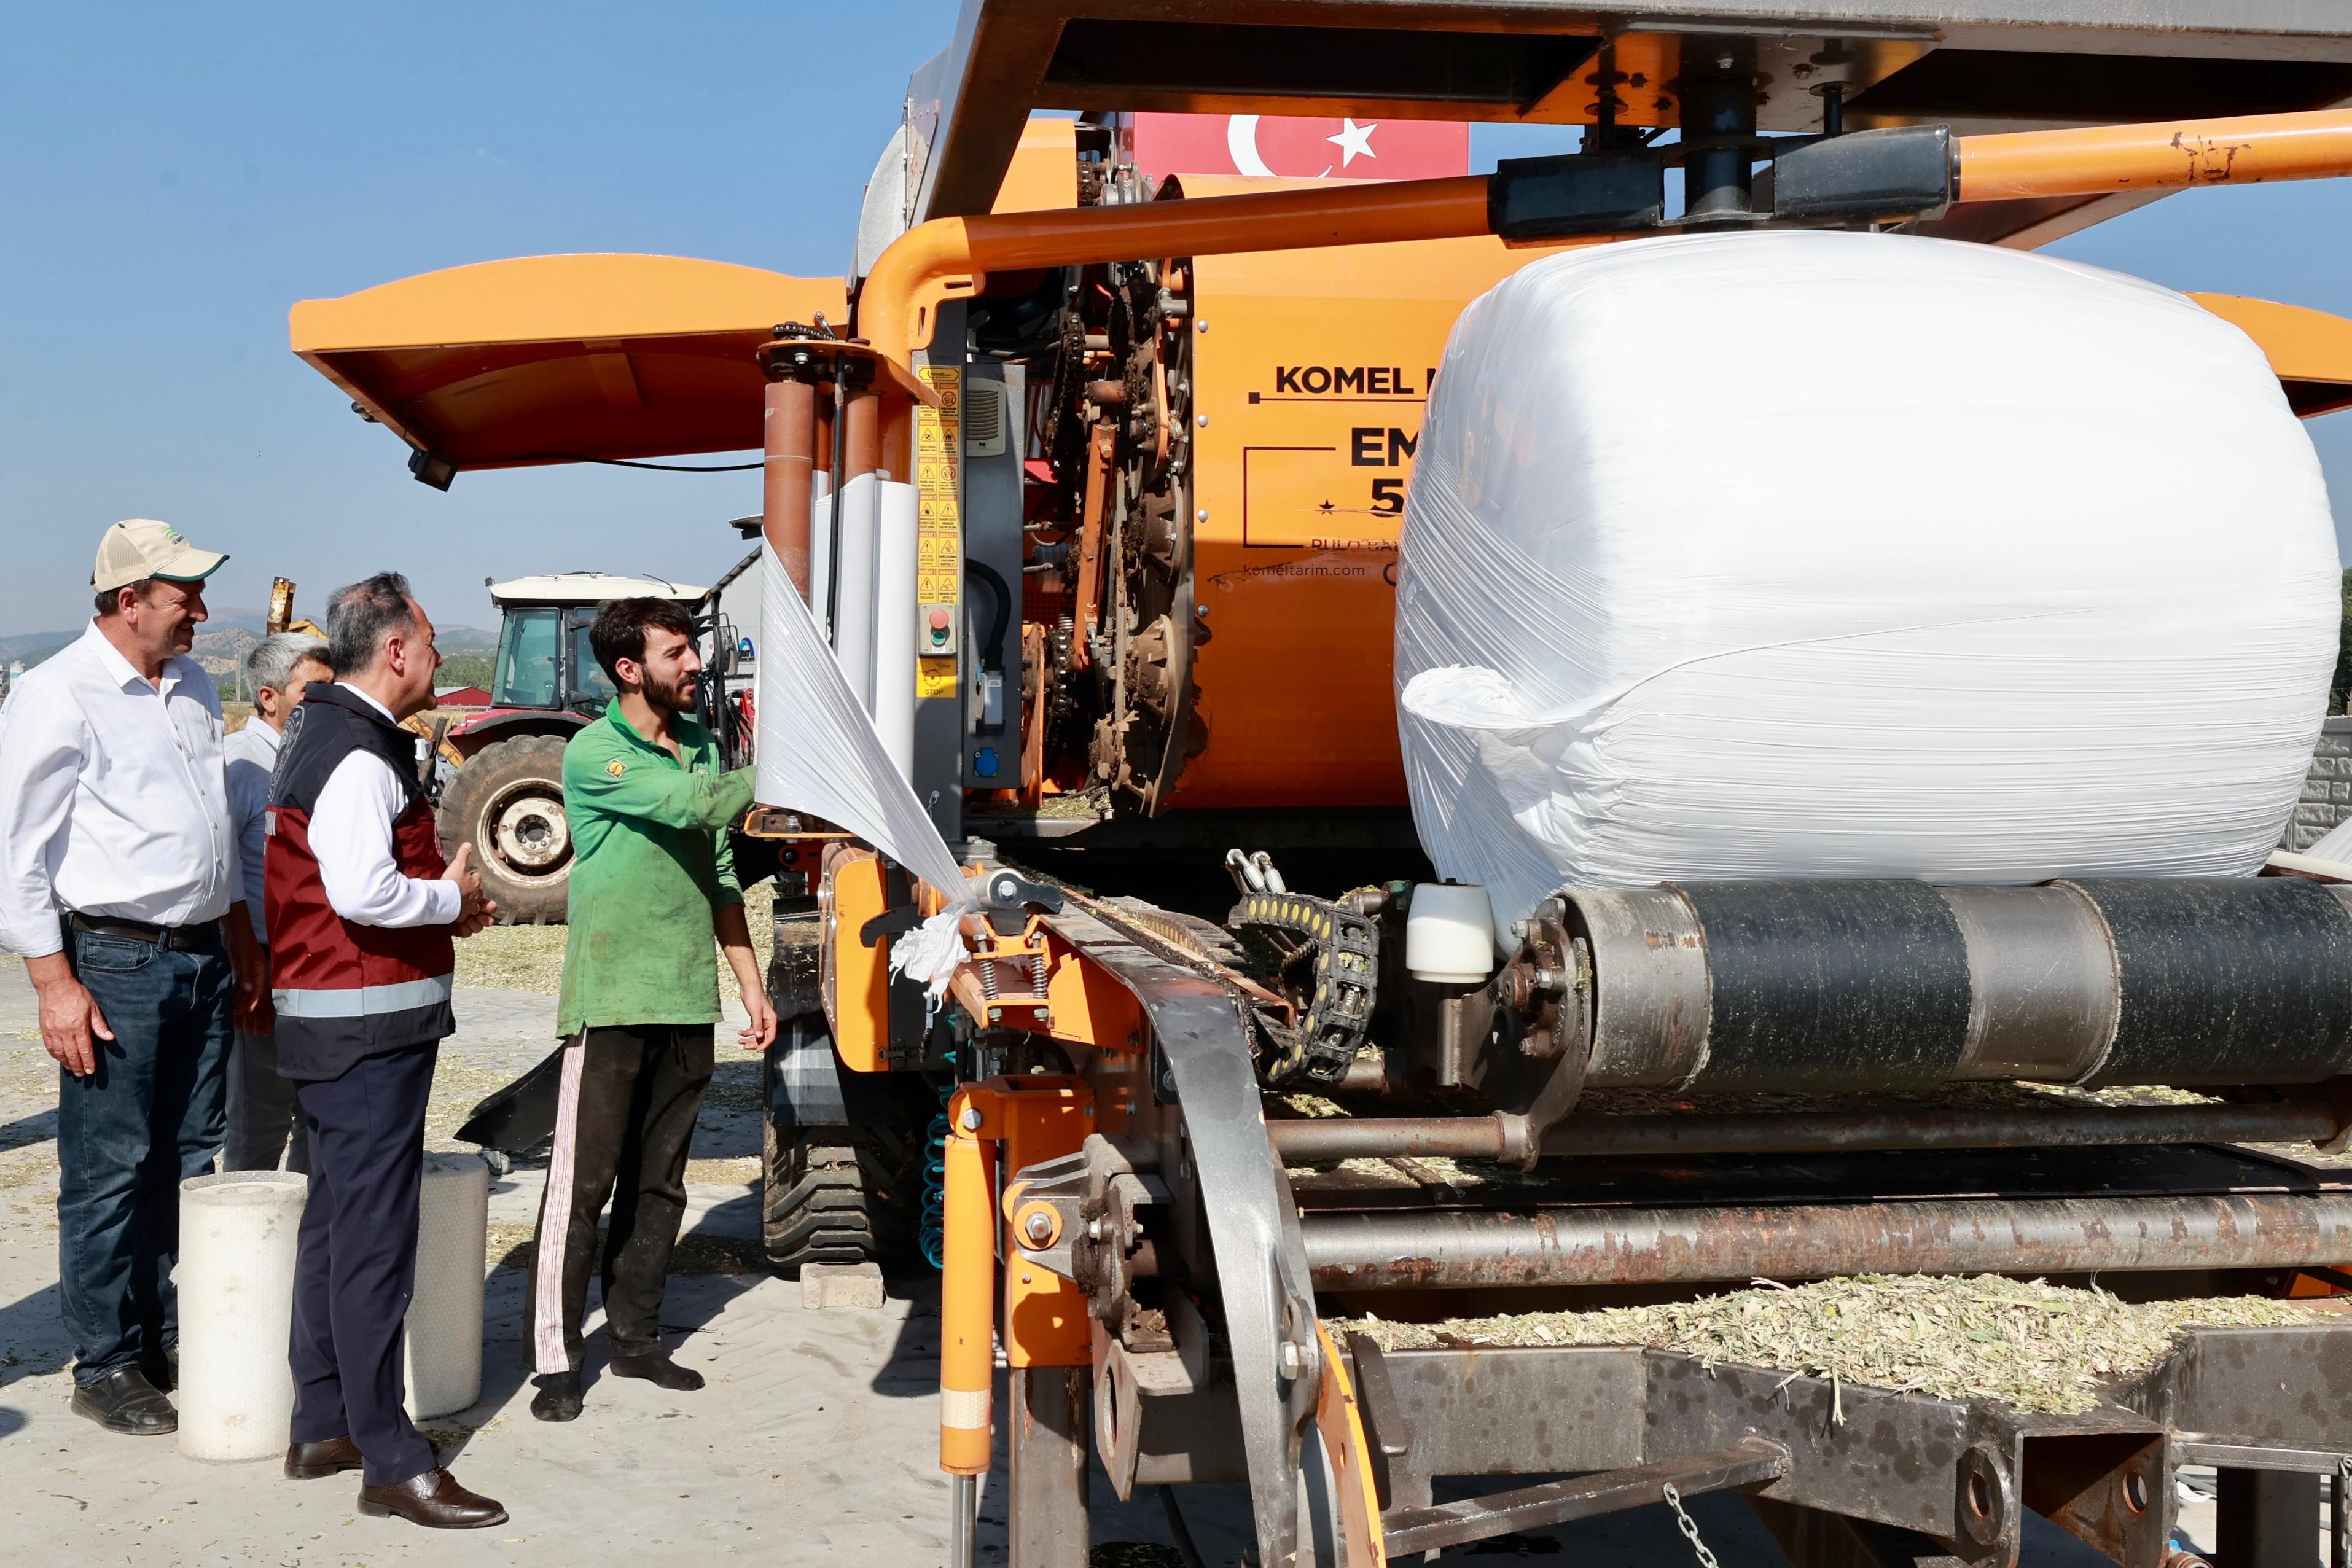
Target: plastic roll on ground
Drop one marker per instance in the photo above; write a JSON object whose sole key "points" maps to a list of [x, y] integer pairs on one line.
{"points": [[235, 1280], [444, 1315]]}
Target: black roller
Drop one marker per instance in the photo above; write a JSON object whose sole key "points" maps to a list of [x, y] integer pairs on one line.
{"points": [[1886, 985], [2227, 980], [1831, 985]]}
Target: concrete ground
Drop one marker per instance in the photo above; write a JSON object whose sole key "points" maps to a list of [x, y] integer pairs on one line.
{"points": [[815, 1440]]}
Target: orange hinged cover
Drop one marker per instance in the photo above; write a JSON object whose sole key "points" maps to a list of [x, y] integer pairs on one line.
{"points": [[2310, 350], [547, 358]]}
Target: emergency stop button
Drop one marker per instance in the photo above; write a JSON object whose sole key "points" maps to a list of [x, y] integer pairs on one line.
{"points": [[935, 630]]}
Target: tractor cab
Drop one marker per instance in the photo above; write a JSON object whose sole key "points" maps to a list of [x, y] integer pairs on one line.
{"points": [[544, 663], [502, 769]]}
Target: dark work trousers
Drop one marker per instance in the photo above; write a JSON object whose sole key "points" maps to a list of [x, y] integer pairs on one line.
{"points": [[128, 1135], [624, 1124], [262, 1119], [355, 1267]]}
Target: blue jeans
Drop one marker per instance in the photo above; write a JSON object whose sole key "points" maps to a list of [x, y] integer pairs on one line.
{"points": [[151, 1116]]}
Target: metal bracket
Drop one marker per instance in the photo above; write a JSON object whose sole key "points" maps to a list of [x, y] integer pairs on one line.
{"points": [[1261, 1262], [1747, 1462]]}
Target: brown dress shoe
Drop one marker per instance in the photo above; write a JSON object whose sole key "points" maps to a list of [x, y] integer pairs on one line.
{"points": [[433, 1499], [308, 1461]]}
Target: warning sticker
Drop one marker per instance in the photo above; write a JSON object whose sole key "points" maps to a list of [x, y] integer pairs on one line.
{"points": [[935, 677], [938, 531]]}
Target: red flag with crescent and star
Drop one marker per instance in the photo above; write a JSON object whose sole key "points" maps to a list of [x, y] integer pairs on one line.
{"points": [[1300, 148]]}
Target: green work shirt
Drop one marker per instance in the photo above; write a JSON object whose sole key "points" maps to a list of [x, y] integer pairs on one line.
{"points": [[650, 864]]}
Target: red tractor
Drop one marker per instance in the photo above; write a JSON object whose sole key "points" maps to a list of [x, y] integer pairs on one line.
{"points": [[501, 769]]}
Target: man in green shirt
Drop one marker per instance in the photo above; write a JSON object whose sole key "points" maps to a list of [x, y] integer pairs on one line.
{"points": [[652, 883]]}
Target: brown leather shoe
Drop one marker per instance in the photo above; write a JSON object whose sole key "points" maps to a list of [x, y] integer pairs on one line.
{"points": [[433, 1499], [308, 1461]]}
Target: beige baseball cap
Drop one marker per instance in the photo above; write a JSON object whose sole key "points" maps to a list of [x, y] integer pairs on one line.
{"points": [[140, 548]]}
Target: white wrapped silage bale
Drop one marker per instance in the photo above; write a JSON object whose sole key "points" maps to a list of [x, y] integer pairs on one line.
{"points": [[1830, 554]]}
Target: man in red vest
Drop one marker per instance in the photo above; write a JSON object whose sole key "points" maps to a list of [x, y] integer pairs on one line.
{"points": [[362, 911]]}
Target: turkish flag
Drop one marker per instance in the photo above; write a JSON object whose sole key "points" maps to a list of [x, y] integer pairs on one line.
{"points": [[1311, 149]]}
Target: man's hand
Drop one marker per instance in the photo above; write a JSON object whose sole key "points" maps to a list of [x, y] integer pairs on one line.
{"points": [[469, 888], [760, 1033], [248, 960], [734, 934], [480, 919], [70, 1016]]}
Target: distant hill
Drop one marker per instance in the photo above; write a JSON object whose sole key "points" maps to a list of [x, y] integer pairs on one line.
{"points": [[32, 647], [224, 637]]}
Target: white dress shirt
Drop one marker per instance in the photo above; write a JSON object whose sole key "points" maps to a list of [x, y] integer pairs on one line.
{"points": [[350, 835], [252, 755], [112, 797]]}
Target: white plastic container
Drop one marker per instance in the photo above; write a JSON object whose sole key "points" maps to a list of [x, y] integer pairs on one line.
{"points": [[236, 1283], [1449, 937], [1834, 554], [443, 1362]]}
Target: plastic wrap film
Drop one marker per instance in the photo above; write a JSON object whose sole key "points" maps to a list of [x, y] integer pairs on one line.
{"points": [[1834, 554], [443, 1335], [820, 753], [235, 1283]]}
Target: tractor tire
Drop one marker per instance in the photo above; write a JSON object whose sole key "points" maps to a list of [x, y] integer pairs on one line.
{"points": [[840, 1195], [506, 801]]}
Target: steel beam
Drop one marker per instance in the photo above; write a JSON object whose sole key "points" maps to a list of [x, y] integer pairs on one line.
{"points": [[1047, 1445], [1813, 1241], [1746, 1463], [1481, 1137]]}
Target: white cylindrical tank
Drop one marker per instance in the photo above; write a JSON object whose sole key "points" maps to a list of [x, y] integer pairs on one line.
{"points": [[235, 1280], [852, 623], [895, 581], [445, 1316], [1449, 935]]}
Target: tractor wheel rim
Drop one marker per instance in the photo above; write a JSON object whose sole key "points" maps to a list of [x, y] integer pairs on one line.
{"points": [[528, 832]]}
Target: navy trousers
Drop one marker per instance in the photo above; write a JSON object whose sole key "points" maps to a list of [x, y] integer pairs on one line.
{"points": [[355, 1267], [128, 1135]]}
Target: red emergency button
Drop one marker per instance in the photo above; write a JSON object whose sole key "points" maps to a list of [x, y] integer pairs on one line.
{"points": [[939, 624]]}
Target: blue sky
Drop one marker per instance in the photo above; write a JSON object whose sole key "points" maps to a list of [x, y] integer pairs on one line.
{"points": [[171, 178]]}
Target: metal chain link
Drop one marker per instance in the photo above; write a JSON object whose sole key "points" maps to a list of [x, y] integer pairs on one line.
{"points": [[1689, 1528]]}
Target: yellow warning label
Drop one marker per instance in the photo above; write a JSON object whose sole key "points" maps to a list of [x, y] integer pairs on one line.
{"points": [[938, 527]]}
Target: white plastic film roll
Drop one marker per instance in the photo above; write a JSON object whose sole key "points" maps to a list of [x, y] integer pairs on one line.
{"points": [[445, 1316], [819, 593], [1449, 937], [853, 627], [894, 624], [235, 1280]]}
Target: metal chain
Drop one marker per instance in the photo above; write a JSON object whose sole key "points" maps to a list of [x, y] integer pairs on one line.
{"points": [[1689, 1528]]}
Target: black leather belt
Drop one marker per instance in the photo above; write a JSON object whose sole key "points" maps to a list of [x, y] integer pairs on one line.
{"points": [[180, 938]]}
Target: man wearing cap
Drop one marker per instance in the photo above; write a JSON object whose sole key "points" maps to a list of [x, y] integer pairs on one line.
{"points": [[120, 887]]}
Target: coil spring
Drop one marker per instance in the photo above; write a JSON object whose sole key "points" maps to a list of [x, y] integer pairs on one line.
{"points": [[935, 1183]]}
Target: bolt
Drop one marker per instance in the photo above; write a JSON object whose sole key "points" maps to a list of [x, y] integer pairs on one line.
{"points": [[1040, 1226], [1202, 516], [1290, 1360], [1205, 421], [972, 1118], [1095, 1229], [1205, 326], [1519, 928]]}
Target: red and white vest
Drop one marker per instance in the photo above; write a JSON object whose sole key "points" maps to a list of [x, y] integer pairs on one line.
{"points": [[344, 992]]}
